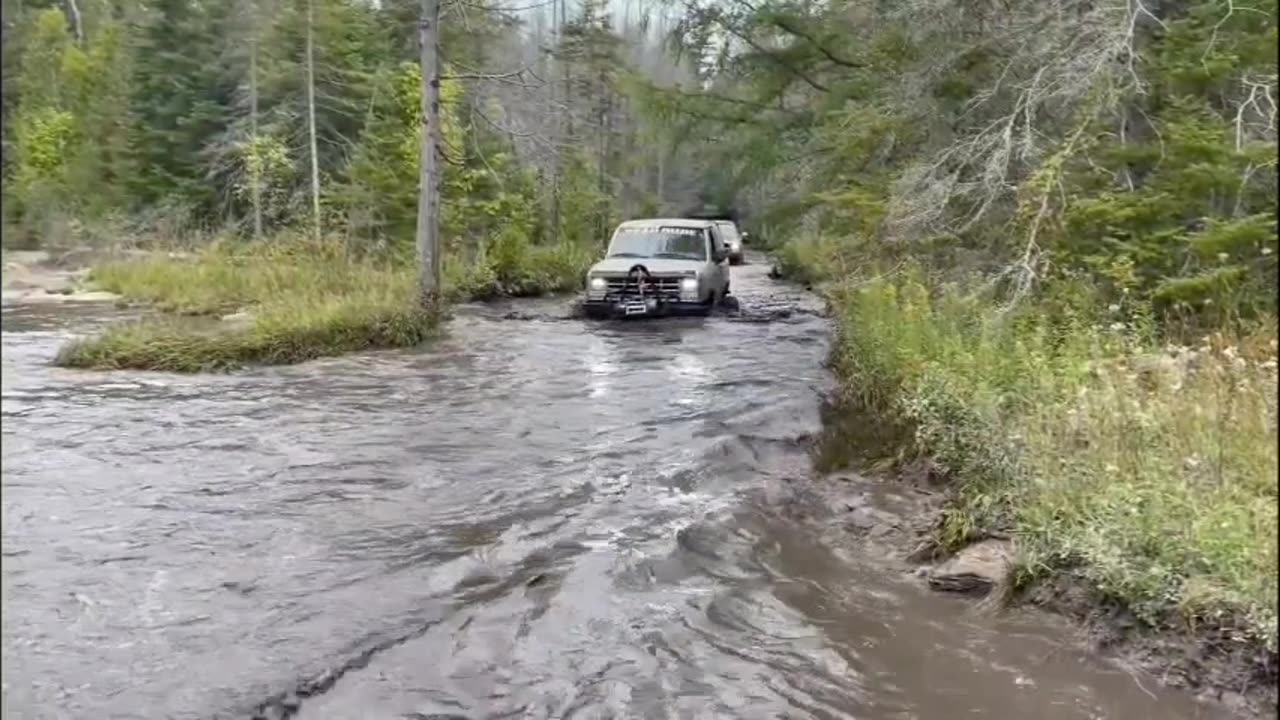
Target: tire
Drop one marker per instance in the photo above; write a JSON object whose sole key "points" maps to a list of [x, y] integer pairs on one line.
{"points": [[708, 305], [595, 313]]}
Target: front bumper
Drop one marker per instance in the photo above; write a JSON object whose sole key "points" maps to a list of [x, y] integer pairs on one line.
{"points": [[621, 306]]}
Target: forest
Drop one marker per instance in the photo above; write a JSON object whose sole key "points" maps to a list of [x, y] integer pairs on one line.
{"points": [[1046, 229]]}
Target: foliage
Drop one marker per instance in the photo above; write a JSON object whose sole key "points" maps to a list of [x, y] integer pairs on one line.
{"points": [[1149, 471], [69, 134], [1010, 143], [191, 118]]}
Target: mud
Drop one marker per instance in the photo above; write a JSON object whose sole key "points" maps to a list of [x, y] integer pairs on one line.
{"points": [[533, 517], [33, 276]]}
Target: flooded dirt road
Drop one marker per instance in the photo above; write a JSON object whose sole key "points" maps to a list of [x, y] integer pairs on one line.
{"points": [[536, 517]]}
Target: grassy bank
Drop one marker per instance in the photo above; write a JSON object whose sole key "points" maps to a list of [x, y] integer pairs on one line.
{"points": [[287, 304], [290, 302], [1148, 472]]}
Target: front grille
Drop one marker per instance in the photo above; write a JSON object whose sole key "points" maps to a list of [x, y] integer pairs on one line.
{"points": [[662, 285]]}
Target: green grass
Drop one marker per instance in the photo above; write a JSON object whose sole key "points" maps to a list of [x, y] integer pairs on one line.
{"points": [[301, 302], [511, 267], [1150, 472], [811, 260]]}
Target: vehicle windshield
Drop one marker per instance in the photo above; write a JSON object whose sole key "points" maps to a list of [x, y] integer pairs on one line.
{"points": [[684, 243]]}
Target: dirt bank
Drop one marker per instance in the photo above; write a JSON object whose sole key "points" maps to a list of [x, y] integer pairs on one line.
{"points": [[37, 276], [1214, 663]]}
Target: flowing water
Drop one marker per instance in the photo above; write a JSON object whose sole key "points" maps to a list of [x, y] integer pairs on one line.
{"points": [[534, 517]]}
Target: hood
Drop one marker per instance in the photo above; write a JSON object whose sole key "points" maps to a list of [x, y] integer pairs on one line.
{"points": [[657, 266]]}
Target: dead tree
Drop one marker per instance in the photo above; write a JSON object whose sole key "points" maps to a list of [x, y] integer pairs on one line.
{"points": [[428, 230], [311, 121]]}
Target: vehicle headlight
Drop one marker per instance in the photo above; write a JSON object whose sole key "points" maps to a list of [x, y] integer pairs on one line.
{"points": [[689, 284], [596, 283]]}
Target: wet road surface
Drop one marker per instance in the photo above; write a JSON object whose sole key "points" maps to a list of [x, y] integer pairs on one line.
{"points": [[535, 517]]}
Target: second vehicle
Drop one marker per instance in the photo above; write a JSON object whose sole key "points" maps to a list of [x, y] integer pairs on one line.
{"points": [[733, 238]]}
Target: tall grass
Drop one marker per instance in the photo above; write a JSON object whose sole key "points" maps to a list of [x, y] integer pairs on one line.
{"points": [[511, 267], [299, 302], [228, 278], [1150, 471]]}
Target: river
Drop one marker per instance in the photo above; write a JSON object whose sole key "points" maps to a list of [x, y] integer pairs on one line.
{"points": [[534, 517]]}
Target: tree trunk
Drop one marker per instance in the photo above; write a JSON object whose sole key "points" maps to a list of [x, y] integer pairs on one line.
{"points": [[558, 166], [602, 172], [662, 174], [255, 176], [311, 121], [428, 235], [568, 79], [77, 25]]}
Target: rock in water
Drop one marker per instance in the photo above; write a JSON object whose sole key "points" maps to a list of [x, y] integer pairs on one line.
{"points": [[975, 570]]}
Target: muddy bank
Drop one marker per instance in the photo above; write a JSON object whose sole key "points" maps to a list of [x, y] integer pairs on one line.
{"points": [[1212, 662], [37, 276]]}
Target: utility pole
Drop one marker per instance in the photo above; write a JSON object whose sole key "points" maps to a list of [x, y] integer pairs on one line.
{"points": [[428, 231]]}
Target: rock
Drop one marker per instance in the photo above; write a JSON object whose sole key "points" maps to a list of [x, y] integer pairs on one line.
{"points": [[93, 296], [25, 257], [240, 319], [862, 518], [882, 531], [75, 258], [271, 712], [976, 569]]}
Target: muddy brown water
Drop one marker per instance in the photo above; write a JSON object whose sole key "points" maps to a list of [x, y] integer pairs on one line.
{"points": [[535, 517]]}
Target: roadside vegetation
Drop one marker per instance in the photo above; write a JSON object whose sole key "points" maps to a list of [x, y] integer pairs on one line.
{"points": [[1146, 469]]}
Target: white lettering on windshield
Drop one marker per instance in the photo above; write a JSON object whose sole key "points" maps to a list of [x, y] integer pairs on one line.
{"points": [[666, 230]]}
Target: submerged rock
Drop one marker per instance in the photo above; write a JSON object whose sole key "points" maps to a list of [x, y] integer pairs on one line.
{"points": [[238, 320], [976, 569]]}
